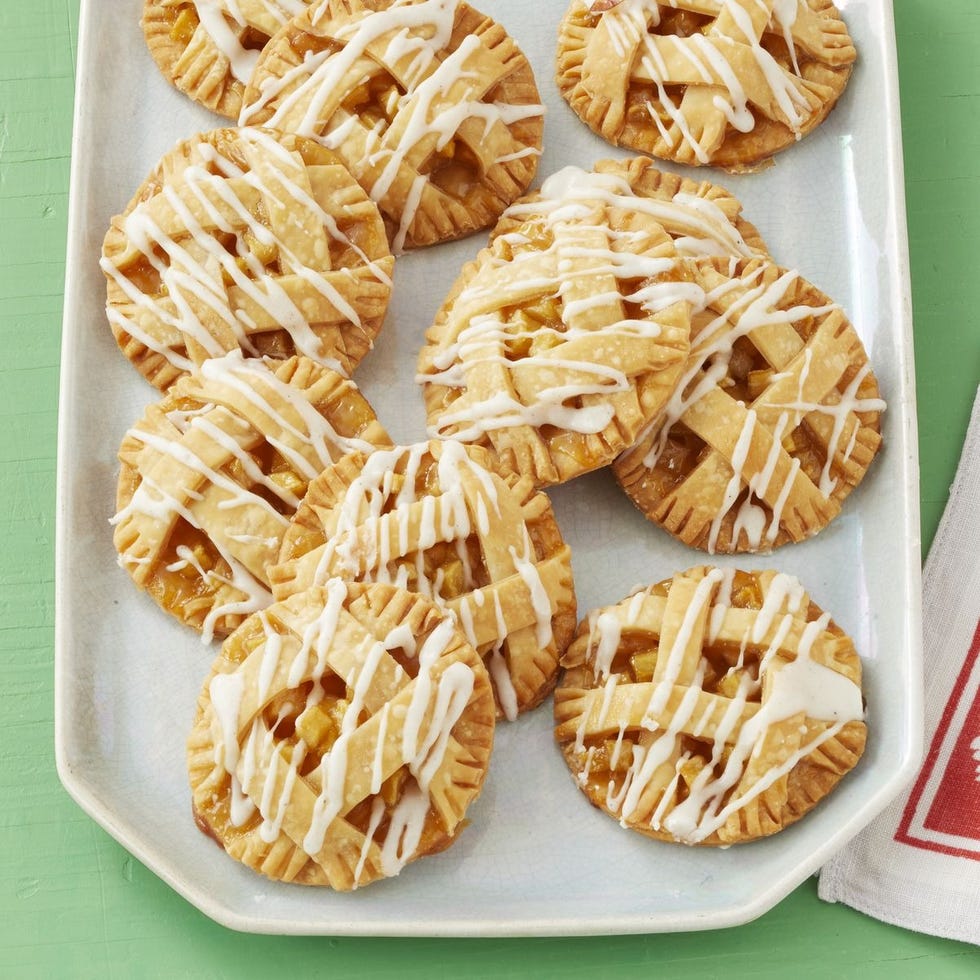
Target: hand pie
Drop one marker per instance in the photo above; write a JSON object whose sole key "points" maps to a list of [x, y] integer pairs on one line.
{"points": [[211, 474], [342, 734], [431, 104], [245, 239], [720, 82], [435, 518], [775, 420], [713, 708], [555, 347], [702, 219], [208, 48]]}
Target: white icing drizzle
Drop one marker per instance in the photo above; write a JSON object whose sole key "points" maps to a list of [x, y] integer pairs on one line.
{"points": [[438, 700], [480, 338], [360, 542], [629, 26], [793, 686], [417, 36], [322, 445], [198, 270]]}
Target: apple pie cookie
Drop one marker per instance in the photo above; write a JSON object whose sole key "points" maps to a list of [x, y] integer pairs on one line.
{"points": [[343, 733], [775, 420], [431, 104], [713, 708], [435, 518], [702, 218], [245, 239], [555, 346], [211, 474], [208, 48], [726, 83]]}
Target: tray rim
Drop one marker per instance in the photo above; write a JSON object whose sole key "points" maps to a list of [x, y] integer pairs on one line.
{"points": [[902, 403]]}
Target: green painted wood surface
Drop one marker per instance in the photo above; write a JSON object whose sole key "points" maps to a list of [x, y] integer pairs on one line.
{"points": [[75, 904]]}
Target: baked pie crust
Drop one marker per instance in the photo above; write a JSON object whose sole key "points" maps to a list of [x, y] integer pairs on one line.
{"points": [[435, 518], [208, 48], [555, 347], [721, 82], [702, 219], [774, 422], [343, 733], [430, 103], [211, 474], [246, 239], [716, 707]]}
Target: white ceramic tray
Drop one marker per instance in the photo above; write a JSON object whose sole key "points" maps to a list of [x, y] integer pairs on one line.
{"points": [[536, 859]]}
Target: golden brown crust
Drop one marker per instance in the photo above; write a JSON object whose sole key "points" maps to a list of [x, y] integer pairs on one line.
{"points": [[649, 76], [774, 423], [342, 733], [712, 708], [549, 350], [443, 137], [202, 66], [211, 473], [246, 239], [435, 518]]}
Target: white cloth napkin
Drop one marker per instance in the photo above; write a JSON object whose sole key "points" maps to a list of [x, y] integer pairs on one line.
{"points": [[918, 864]]}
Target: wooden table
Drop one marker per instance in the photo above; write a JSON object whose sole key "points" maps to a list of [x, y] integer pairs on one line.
{"points": [[73, 903]]}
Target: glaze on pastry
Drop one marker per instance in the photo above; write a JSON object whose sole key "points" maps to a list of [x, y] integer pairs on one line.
{"points": [[246, 239], [774, 422], [720, 82], [555, 346], [343, 733], [435, 518], [208, 48], [430, 103], [716, 707], [211, 474]]}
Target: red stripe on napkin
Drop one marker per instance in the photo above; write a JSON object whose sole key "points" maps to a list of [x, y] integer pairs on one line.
{"points": [[954, 810]]}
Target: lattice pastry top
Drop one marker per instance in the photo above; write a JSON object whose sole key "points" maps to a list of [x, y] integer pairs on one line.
{"points": [[246, 239], [713, 708], [208, 48], [435, 518], [702, 219], [211, 474], [720, 82], [431, 104], [342, 734], [774, 422], [555, 346]]}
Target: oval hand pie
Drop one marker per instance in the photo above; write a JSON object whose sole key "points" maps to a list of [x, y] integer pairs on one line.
{"points": [[713, 708], [555, 346], [211, 474], [720, 82], [245, 239], [343, 733], [435, 518], [431, 104], [774, 422]]}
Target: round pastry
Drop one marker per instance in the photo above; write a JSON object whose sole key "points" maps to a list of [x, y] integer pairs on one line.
{"points": [[211, 474], [555, 346], [208, 48], [715, 707], [775, 420], [430, 103], [342, 734], [435, 518], [245, 239], [701, 81], [702, 218]]}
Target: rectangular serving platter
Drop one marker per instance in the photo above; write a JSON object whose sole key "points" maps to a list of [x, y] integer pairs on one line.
{"points": [[535, 859]]}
